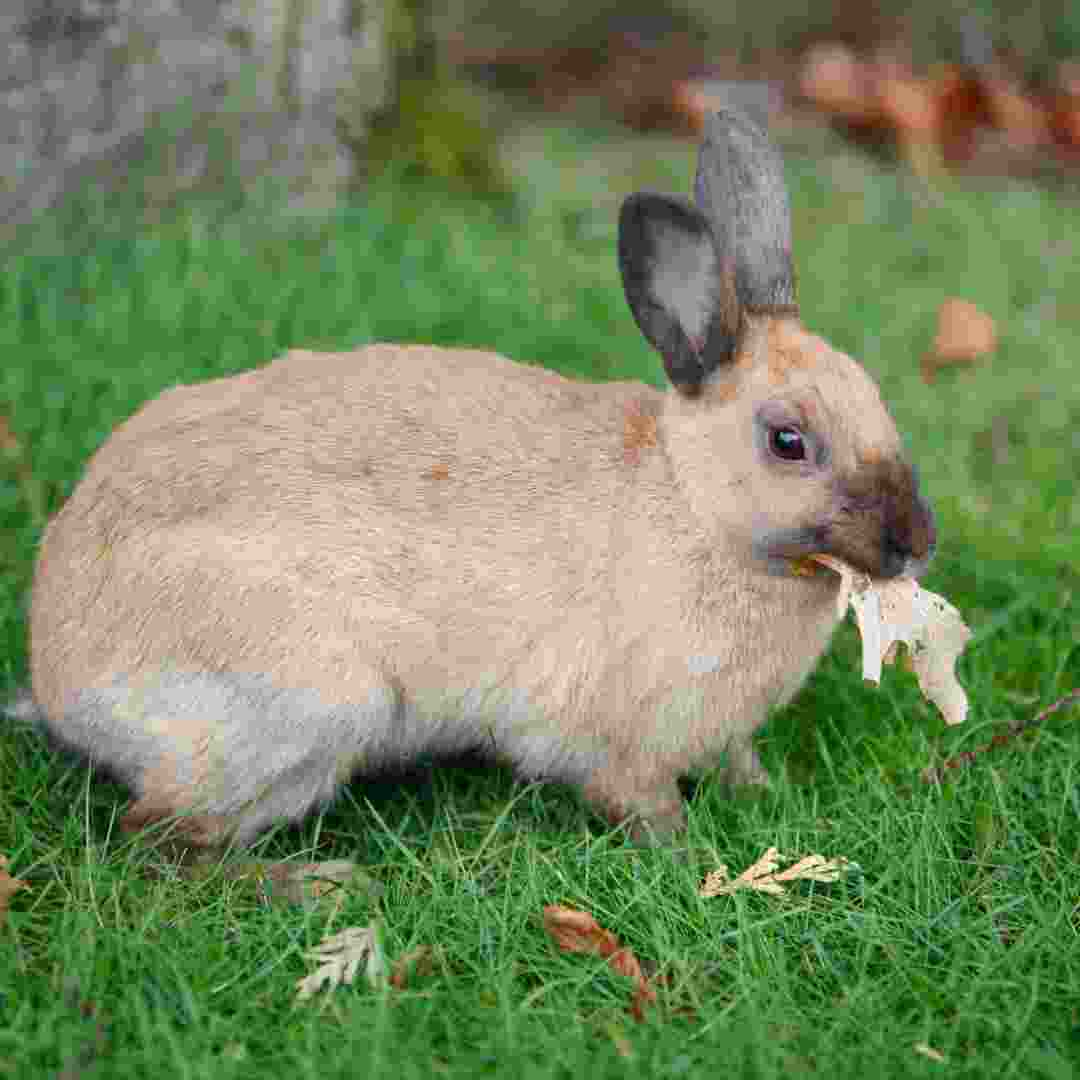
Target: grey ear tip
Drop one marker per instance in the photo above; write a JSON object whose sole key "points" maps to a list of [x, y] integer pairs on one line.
{"points": [[645, 209], [730, 114], [634, 214], [726, 123], [633, 206]]}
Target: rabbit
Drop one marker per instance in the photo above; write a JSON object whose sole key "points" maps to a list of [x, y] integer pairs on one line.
{"points": [[267, 584]]}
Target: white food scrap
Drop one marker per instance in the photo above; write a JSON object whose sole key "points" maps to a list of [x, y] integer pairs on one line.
{"points": [[898, 610]]}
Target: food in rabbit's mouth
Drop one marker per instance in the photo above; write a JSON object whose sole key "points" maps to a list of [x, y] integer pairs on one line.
{"points": [[898, 610]]}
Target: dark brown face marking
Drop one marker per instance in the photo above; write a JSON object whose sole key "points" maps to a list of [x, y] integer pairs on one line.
{"points": [[880, 521], [639, 431]]}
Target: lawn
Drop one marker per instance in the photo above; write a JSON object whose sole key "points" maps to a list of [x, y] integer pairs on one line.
{"points": [[952, 944]]}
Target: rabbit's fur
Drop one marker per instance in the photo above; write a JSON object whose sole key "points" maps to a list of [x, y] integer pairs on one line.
{"points": [[337, 562]]}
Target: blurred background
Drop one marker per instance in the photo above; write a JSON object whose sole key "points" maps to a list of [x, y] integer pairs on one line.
{"points": [[314, 95], [190, 187]]}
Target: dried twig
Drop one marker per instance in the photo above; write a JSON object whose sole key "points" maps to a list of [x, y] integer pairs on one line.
{"points": [[934, 774]]}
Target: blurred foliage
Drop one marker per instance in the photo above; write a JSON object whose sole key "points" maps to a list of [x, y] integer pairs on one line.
{"points": [[1032, 34], [434, 124]]}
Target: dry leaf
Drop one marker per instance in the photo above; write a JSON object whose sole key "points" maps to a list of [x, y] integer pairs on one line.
{"points": [[835, 80], [578, 932], [898, 610], [763, 876], [644, 995], [9, 886], [416, 962], [964, 334], [944, 118], [1065, 110], [929, 1052], [1022, 121], [340, 957], [909, 101], [877, 100], [624, 962]]}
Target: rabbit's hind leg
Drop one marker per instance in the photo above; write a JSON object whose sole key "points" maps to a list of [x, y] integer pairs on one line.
{"points": [[226, 754]]}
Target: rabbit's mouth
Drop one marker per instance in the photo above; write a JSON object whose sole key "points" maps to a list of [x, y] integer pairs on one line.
{"points": [[787, 552], [881, 554], [878, 524]]}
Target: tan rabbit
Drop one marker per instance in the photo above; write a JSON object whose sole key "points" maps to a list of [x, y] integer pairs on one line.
{"points": [[266, 584]]}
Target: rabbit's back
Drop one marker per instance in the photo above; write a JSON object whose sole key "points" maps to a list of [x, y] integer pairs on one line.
{"points": [[425, 504]]}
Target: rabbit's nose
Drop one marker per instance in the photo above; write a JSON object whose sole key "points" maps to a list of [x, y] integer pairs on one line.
{"points": [[909, 540]]}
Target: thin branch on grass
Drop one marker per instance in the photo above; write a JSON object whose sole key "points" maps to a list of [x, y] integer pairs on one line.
{"points": [[934, 774]]}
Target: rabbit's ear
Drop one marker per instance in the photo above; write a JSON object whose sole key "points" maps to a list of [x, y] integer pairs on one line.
{"points": [[678, 285], [740, 189]]}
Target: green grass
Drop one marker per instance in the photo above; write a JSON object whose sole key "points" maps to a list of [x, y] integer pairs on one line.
{"points": [[959, 930]]}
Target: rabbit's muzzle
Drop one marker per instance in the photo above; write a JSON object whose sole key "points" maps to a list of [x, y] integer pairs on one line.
{"points": [[878, 523]]}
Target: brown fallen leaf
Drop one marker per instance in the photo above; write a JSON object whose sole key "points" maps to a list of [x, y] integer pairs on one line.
{"points": [[954, 115], [762, 876], [835, 80], [644, 995], [910, 104], [9, 886], [340, 957], [1022, 121], [964, 334], [624, 962], [577, 931], [415, 963], [898, 610], [1065, 110], [963, 111]]}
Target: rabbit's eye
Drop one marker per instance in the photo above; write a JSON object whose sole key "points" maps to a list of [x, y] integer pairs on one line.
{"points": [[787, 443]]}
